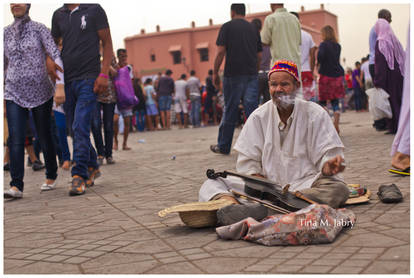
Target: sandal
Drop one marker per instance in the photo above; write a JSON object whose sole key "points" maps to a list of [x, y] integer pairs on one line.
{"points": [[389, 193], [47, 187], [405, 172]]}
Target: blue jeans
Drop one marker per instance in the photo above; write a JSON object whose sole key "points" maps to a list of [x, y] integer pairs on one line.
{"points": [[195, 110], [17, 117], [358, 99], [140, 119], [79, 108], [108, 123], [234, 89], [63, 138]]}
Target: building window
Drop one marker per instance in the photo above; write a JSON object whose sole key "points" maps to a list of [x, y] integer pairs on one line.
{"points": [[203, 54], [152, 57], [176, 57]]}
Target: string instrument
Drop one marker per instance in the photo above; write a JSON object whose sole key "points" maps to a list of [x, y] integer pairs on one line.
{"points": [[267, 192]]}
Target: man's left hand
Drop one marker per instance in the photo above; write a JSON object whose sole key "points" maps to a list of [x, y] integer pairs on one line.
{"points": [[333, 166], [101, 85]]}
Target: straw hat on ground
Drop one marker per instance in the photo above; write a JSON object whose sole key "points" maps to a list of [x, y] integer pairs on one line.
{"points": [[198, 214]]}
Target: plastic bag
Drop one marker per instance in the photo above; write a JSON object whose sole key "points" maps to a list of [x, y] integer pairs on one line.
{"points": [[379, 105], [124, 90]]}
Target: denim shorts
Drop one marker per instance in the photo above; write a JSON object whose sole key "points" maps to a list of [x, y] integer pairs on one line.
{"points": [[124, 113], [164, 103], [151, 109]]}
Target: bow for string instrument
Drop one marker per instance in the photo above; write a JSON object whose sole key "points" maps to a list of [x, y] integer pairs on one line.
{"points": [[266, 191]]}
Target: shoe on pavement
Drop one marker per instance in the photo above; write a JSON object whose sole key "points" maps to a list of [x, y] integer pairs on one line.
{"points": [[234, 213], [93, 175], [77, 187], [38, 165], [29, 162], [110, 160], [47, 187], [216, 149], [100, 160], [13, 193]]}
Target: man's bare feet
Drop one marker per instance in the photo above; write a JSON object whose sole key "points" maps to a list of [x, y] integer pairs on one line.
{"points": [[126, 148], [66, 165], [400, 161], [228, 198]]}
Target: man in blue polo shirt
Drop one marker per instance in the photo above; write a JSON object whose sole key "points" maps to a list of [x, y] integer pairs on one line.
{"points": [[82, 27]]}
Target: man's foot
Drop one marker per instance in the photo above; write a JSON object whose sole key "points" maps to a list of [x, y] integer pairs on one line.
{"points": [[100, 160], [6, 167], [48, 185], [78, 186], [93, 174], [125, 148], [66, 165], [110, 160], [234, 213], [29, 162], [115, 146], [13, 193], [38, 165], [216, 149]]}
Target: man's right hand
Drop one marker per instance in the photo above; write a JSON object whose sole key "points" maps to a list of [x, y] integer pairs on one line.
{"points": [[52, 67]]}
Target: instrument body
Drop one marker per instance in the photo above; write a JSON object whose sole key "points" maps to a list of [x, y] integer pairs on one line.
{"points": [[264, 189]]}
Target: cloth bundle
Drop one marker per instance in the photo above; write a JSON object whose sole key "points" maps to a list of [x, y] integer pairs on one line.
{"points": [[314, 224], [379, 105]]}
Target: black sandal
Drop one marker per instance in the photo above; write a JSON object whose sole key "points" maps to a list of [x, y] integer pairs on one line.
{"points": [[389, 193]]}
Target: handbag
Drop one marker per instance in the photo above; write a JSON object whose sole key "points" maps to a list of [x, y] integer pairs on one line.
{"points": [[124, 90]]}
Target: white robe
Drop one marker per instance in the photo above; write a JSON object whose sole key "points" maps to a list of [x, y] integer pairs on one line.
{"points": [[310, 141]]}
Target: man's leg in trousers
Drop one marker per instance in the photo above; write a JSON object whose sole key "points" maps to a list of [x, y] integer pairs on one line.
{"points": [[83, 153], [232, 89], [328, 190]]}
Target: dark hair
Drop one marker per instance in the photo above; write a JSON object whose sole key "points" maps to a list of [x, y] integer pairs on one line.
{"points": [[257, 23], [183, 76], [357, 63], [210, 72], [328, 34], [295, 14], [147, 81], [384, 13], [239, 9], [192, 72], [119, 51], [168, 72]]}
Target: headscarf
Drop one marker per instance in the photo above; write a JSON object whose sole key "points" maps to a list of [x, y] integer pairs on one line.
{"points": [[389, 45], [20, 22]]}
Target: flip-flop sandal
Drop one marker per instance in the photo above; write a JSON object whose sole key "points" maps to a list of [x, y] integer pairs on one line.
{"points": [[405, 172], [47, 187], [389, 193]]}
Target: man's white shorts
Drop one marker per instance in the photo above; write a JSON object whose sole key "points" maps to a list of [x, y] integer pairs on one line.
{"points": [[180, 105]]}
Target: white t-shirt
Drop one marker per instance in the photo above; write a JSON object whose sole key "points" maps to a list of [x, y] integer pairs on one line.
{"points": [[180, 86], [307, 44], [365, 69]]}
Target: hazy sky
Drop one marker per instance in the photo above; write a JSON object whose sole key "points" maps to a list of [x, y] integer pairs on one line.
{"points": [[127, 18]]}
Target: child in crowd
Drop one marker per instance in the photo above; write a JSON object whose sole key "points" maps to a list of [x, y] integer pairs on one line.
{"points": [[151, 105]]}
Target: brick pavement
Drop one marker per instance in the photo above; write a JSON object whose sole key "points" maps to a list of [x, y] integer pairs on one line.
{"points": [[114, 227]]}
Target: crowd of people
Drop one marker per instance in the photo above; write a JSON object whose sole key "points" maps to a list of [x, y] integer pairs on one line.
{"points": [[57, 84]]}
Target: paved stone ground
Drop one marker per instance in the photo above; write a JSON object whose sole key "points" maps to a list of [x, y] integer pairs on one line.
{"points": [[114, 227]]}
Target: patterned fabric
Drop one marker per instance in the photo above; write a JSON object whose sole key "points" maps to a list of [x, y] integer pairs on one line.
{"points": [[109, 96], [307, 85], [331, 88], [314, 224], [27, 82], [286, 66]]}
